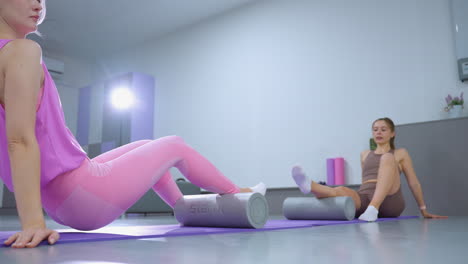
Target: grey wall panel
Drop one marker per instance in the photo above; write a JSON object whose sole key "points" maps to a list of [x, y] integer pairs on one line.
{"points": [[8, 198], [439, 150]]}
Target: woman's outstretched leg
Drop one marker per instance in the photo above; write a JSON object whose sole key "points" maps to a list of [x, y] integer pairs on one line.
{"points": [[306, 186], [166, 188], [97, 193], [117, 152]]}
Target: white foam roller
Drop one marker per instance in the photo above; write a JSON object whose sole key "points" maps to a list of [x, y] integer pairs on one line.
{"points": [[311, 208], [248, 210]]}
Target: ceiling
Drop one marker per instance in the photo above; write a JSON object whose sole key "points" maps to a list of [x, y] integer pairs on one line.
{"points": [[90, 28]]}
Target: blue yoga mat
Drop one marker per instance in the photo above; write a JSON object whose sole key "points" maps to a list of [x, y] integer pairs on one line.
{"points": [[140, 232]]}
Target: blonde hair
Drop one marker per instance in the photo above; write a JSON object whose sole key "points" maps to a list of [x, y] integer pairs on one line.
{"points": [[43, 12], [41, 17]]}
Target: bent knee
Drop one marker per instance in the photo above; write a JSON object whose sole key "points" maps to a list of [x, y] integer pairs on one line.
{"points": [[388, 159], [345, 191], [173, 138], [142, 141]]}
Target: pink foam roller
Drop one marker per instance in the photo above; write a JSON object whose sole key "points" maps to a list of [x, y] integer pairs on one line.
{"points": [[339, 171]]}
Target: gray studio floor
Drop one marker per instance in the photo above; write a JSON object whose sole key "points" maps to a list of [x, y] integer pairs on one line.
{"points": [[405, 241]]}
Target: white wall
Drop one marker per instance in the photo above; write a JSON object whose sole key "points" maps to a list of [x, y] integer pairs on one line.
{"points": [[460, 20], [283, 82]]}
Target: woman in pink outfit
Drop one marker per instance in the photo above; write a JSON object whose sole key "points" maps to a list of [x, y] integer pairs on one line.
{"points": [[43, 164]]}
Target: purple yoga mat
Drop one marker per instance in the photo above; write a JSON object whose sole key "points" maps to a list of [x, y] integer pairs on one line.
{"points": [[140, 232], [331, 171]]}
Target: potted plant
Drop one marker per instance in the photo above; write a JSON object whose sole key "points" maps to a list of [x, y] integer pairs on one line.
{"points": [[454, 105]]}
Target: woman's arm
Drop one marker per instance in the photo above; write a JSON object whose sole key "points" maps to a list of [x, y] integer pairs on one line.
{"points": [[364, 155], [413, 183], [23, 78]]}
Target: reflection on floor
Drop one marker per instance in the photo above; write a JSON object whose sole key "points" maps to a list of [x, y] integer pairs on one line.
{"points": [[405, 241]]}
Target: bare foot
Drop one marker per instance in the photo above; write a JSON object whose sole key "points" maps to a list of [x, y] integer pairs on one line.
{"points": [[259, 188], [245, 190]]}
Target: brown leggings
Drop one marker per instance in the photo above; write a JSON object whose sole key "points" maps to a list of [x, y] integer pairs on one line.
{"points": [[392, 206]]}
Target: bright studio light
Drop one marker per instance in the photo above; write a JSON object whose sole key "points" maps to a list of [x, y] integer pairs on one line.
{"points": [[122, 98]]}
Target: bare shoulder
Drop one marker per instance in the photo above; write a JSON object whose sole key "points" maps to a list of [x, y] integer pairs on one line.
{"points": [[401, 153], [23, 49], [20, 58], [23, 45]]}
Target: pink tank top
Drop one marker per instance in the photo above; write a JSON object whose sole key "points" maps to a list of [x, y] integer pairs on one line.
{"points": [[59, 150]]}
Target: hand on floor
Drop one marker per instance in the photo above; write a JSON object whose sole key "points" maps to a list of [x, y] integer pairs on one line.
{"points": [[433, 216], [31, 237]]}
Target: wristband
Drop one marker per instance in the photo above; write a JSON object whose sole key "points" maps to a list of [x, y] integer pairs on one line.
{"points": [[422, 207]]}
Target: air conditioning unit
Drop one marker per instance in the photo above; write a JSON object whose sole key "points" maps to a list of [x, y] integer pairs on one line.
{"points": [[56, 67]]}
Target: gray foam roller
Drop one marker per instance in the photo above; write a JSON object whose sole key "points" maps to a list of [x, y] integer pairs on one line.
{"points": [[228, 210], [311, 208]]}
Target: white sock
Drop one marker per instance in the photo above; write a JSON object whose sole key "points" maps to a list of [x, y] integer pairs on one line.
{"points": [[302, 181], [259, 188], [370, 215]]}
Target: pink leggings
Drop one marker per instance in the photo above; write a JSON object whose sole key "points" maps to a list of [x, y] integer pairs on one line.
{"points": [[102, 189]]}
